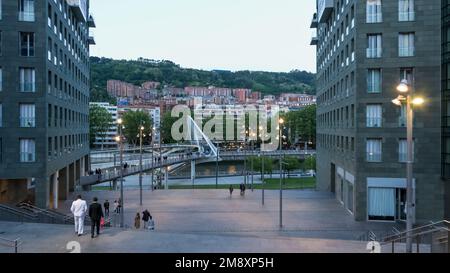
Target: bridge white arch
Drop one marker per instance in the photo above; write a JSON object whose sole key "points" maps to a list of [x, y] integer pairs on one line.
{"points": [[198, 138]]}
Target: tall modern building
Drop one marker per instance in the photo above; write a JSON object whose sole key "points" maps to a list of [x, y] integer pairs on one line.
{"points": [[446, 101], [44, 98], [364, 49]]}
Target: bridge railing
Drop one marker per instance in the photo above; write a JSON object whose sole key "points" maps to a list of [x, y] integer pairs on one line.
{"points": [[113, 173], [267, 153]]}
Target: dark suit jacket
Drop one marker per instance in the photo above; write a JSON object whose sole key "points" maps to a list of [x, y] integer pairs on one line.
{"points": [[95, 211]]}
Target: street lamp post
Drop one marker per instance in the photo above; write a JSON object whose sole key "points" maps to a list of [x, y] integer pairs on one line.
{"points": [[253, 149], [153, 160], [141, 135], [245, 157], [262, 162], [407, 100], [217, 165], [280, 124], [119, 139]]}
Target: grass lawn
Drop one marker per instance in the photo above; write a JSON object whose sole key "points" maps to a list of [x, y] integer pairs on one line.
{"points": [[270, 184]]}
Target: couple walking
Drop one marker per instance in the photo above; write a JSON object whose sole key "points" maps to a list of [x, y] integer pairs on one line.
{"points": [[79, 209], [149, 223]]}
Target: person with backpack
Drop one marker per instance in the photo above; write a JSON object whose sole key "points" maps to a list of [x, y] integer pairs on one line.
{"points": [[145, 218]]}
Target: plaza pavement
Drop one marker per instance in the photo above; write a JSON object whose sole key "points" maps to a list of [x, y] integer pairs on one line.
{"points": [[211, 221]]}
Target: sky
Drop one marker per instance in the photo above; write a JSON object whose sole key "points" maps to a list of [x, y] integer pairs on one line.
{"points": [[263, 35]]}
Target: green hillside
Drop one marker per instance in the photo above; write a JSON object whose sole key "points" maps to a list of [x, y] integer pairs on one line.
{"points": [[169, 73]]}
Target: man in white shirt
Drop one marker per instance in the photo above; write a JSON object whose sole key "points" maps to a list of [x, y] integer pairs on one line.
{"points": [[79, 208]]}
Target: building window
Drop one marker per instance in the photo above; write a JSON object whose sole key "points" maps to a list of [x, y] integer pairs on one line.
{"points": [[406, 10], [407, 74], [374, 12], [27, 80], [1, 115], [27, 44], [26, 10], [374, 115], [403, 151], [406, 45], [402, 118], [50, 148], [27, 115], [373, 150], [27, 150], [381, 204], [374, 46], [1, 79], [374, 81]]}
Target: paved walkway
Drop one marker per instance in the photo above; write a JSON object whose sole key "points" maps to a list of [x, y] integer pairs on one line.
{"points": [[211, 221]]}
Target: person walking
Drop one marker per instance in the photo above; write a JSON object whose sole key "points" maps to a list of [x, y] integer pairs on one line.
{"points": [[137, 221], [116, 206], [231, 190], [78, 209], [119, 205], [151, 222], [96, 214], [106, 206], [145, 218]]}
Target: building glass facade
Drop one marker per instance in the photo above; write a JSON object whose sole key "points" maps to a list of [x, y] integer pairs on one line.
{"points": [[45, 74], [364, 49]]}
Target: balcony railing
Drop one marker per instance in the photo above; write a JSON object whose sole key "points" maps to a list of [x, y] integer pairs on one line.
{"points": [[27, 87], [26, 16], [406, 51], [27, 157], [406, 16], [374, 122], [374, 53], [402, 157], [27, 122], [402, 121], [374, 18], [373, 157]]}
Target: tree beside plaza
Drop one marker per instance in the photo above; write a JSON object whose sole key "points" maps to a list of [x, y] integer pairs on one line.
{"points": [[290, 164], [100, 121], [166, 127], [310, 163], [257, 164], [132, 121], [301, 124]]}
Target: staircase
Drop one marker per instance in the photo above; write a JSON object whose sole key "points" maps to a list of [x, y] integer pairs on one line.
{"points": [[27, 213]]}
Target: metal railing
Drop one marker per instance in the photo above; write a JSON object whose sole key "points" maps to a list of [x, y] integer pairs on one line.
{"points": [[113, 173], [406, 51], [420, 235], [374, 52], [11, 243], [406, 16], [18, 215], [53, 216]]}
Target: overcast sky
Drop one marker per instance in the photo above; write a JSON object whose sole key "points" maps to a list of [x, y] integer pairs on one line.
{"points": [[268, 35]]}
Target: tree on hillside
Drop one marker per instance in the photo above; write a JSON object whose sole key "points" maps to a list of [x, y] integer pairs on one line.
{"points": [[132, 121], [171, 74], [100, 121]]}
